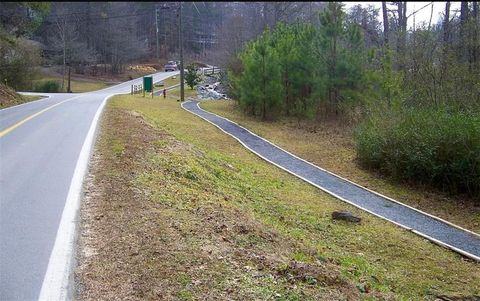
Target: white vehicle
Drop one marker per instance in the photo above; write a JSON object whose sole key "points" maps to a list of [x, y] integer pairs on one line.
{"points": [[171, 66]]}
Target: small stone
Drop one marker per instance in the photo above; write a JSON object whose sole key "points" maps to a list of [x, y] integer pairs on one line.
{"points": [[346, 216]]}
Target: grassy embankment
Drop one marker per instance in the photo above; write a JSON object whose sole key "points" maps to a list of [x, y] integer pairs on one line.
{"points": [[10, 102], [332, 147], [9, 98], [176, 209]]}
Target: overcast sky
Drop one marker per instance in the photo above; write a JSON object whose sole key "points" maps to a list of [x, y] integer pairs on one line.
{"points": [[421, 16]]}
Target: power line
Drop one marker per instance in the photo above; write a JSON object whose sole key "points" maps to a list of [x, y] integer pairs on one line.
{"points": [[413, 13], [196, 8]]}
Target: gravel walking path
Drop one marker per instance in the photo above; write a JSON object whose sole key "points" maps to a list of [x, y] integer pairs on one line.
{"points": [[433, 228]]}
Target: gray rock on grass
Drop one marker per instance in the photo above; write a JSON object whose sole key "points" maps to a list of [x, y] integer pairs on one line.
{"points": [[345, 216]]}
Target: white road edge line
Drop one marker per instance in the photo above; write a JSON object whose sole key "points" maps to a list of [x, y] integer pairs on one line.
{"points": [[464, 253], [56, 281]]}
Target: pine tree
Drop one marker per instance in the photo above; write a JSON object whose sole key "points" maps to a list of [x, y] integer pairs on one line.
{"points": [[341, 58], [191, 76], [260, 81]]}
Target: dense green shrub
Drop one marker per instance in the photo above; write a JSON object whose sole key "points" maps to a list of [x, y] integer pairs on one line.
{"points": [[426, 146], [47, 86]]}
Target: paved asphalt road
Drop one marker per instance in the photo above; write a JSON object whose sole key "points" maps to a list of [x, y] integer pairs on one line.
{"points": [[436, 230], [37, 161]]}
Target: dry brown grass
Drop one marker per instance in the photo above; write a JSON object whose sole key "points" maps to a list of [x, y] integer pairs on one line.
{"points": [[9, 98], [187, 244]]}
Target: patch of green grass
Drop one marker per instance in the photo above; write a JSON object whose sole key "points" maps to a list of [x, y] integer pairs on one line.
{"points": [[169, 82], [374, 254], [160, 143], [185, 295], [76, 86], [84, 86], [175, 93], [301, 256], [118, 147], [357, 268], [183, 279]]}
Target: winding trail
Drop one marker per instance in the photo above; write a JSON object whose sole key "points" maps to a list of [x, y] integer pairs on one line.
{"points": [[428, 226]]}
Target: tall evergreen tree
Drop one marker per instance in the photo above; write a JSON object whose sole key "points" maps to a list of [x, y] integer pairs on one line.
{"points": [[261, 80]]}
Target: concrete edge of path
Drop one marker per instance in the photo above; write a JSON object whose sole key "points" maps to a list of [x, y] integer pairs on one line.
{"points": [[56, 282], [462, 252]]}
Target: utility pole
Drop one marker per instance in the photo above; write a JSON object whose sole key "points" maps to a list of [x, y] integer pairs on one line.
{"points": [[157, 11], [69, 90], [182, 87]]}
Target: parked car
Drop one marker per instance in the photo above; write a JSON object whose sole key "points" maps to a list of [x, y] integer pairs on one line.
{"points": [[171, 66]]}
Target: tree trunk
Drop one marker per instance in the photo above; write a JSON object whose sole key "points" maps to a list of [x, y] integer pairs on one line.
{"points": [[446, 38], [265, 19], [264, 85], [402, 33], [287, 93], [400, 25], [476, 40], [446, 25], [385, 23], [463, 31], [431, 16], [334, 66]]}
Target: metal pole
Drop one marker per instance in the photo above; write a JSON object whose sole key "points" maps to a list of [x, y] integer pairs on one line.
{"points": [[182, 88], [156, 26]]}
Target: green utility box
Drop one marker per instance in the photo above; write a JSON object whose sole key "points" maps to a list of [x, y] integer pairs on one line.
{"points": [[148, 84]]}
